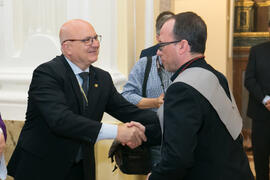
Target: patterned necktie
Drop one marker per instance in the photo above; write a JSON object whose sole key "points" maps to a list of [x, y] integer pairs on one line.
{"points": [[84, 76]]}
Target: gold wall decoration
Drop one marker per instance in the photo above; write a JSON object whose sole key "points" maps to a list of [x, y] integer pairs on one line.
{"points": [[262, 14], [251, 34], [244, 15], [262, 3]]}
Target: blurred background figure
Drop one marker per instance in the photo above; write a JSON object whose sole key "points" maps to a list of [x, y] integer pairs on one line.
{"points": [[3, 138], [148, 80], [257, 82]]}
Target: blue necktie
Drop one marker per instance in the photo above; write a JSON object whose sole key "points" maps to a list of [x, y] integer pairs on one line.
{"points": [[84, 76]]}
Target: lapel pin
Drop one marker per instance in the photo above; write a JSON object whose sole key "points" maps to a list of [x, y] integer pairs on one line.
{"points": [[95, 85]]}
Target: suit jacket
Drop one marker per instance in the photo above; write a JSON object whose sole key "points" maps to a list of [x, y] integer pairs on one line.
{"points": [[151, 51], [196, 144], [57, 122], [257, 81]]}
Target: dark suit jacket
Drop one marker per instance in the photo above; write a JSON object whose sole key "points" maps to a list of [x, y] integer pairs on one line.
{"points": [[57, 123], [257, 81], [151, 51], [196, 144]]}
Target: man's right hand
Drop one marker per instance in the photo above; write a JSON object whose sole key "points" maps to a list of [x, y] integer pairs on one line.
{"points": [[160, 100], [130, 135]]}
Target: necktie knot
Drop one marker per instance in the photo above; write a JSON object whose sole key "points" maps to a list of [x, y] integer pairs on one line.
{"points": [[84, 76]]}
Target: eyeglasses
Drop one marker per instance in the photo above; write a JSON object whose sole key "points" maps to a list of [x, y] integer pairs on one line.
{"points": [[87, 41], [162, 44]]}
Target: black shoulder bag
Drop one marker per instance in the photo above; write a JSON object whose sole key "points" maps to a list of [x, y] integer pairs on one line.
{"points": [[138, 160]]}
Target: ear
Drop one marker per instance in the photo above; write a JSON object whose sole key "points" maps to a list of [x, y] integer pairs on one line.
{"points": [[183, 46], [66, 48]]}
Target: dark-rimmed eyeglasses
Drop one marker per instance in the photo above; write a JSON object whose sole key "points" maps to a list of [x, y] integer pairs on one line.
{"points": [[162, 44], [87, 41]]}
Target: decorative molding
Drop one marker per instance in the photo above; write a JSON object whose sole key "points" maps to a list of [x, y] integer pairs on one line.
{"points": [[263, 4], [251, 34], [245, 3], [14, 88]]}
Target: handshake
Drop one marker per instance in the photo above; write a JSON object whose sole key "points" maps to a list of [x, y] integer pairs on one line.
{"points": [[131, 134]]}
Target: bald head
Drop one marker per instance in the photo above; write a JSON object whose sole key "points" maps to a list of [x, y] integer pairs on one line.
{"points": [[71, 29], [79, 42]]}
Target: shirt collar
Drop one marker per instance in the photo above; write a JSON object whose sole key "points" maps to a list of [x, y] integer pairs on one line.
{"points": [[75, 68]]}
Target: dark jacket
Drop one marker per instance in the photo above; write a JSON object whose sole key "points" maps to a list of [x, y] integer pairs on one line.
{"points": [[257, 81], [57, 122], [151, 51], [196, 144]]}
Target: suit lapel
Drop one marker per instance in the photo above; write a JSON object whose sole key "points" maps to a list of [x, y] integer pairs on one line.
{"points": [[74, 82], [94, 90]]}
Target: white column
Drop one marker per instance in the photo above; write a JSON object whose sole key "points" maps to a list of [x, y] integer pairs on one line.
{"points": [[149, 21], [231, 23], [7, 26]]}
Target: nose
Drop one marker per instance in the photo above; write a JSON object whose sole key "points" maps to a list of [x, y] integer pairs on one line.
{"points": [[95, 43]]}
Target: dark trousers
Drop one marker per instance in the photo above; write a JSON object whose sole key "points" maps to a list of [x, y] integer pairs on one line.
{"points": [[76, 172], [261, 148]]}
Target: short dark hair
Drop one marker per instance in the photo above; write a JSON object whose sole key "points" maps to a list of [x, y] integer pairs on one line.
{"points": [[191, 27], [161, 19]]}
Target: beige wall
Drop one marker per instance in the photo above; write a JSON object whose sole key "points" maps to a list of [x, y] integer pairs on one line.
{"points": [[214, 14], [132, 30], [125, 29]]}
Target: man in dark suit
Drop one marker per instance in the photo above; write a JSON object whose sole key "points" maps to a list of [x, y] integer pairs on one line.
{"points": [[162, 17], [67, 99], [196, 144], [257, 82]]}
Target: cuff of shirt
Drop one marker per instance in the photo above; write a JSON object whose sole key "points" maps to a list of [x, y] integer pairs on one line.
{"points": [[266, 98], [1, 131], [107, 131]]}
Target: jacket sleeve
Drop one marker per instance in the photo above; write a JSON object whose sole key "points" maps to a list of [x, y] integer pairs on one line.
{"points": [[121, 109]]}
